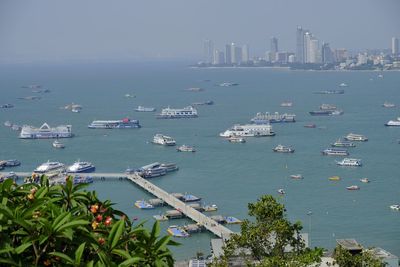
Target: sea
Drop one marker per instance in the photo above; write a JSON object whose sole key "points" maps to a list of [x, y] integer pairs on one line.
{"points": [[230, 175]]}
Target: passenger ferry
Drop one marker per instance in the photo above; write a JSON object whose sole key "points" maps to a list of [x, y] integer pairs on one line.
{"points": [[356, 137], [249, 130], [335, 152], [261, 118], [177, 113], [343, 143], [170, 167], [45, 132], [81, 166], [185, 148], [152, 170], [49, 166], [326, 112], [125, 123], [58, 144], [350, 162], [393, 122], [145, 109], [283, 149], [164, 140]]}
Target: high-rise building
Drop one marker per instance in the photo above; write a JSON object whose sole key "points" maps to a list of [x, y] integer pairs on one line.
{"points": [[313, 55], [326, 53], [219, 57], [273, 48], [300, 44], [245, 53], [228, 54], [238, 55], [208, 51], [395, 46], [341, 54]]}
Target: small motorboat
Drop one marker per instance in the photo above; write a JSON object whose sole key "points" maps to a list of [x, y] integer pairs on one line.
{"points": [[281, 191], [311, 125], [364, 180], [185, 148], [334, 178], [58, 144], [296, 176], [395, 207], [353, 187]]}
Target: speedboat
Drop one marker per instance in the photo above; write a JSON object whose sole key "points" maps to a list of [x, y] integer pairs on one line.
{"points": [[236, 139], [185, 148], [350, 162], [58, 144], [283, 149], [296, 176], [364, 180], [50, 166], [353, 187], [81, 166], [395, 207], [334, 178], [281, 191]]}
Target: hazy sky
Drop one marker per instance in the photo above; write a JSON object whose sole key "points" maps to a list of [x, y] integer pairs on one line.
{"points": [[55, 30]]}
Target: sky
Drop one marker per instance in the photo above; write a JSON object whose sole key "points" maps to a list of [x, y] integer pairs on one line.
{"points": [[74, 30]]}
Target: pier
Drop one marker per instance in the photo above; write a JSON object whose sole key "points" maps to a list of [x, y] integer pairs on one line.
{"points": [[198, 217]]}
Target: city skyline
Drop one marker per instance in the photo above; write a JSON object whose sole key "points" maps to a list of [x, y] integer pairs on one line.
{"points": [[97, 30]]}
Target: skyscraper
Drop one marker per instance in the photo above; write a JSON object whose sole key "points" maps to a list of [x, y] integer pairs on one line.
{"points": [[300, 46], [313, 54], [208, 51], [273, 48], [395, 46], [326, 53], [245, 53], [228, 54], [238, 55], [219, 57]]}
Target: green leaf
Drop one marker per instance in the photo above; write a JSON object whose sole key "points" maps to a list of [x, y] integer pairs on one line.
{"points": [[78, 254], [130, 262], [155, 231], [116, 233], [162, 243], [72, 224], [63, 256], [22, 248], [61, 220], [122, 253]]}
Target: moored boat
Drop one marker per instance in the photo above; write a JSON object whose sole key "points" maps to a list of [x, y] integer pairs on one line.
{"points": [[125, 123], [281, 191], [395, 207], [142, 204], [264, 118], [58, 144], [45, 132], [283, 149], [81, 167], [353, 187], [249, 130], [334, 178], [335, 152], [395, 123], [364, 180], [356, 137], [286, 104], [12, 163], [185, 148], [164, 140], [388, 105], [50, 166], [177, 113], [350, 162], [311, 125], [343, 143]]}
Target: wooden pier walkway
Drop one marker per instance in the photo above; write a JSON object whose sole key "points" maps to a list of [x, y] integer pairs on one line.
{"points": [[210, 224]]}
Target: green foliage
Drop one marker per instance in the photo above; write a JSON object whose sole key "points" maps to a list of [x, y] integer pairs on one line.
{"points": [[262, 242], [63, 225], [364, 259]]}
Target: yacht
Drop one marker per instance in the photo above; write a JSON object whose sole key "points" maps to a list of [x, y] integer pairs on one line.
{"points": [[388, 105], [164, 140], [177, 113], [286, 104], [393, 122], [58, 144], [45, 132], [125, 123], [145, 109], [81, 166], [353, 187], [356, 137], [50, 166], [235, 139], [283, 149], [350, 162], [185, 148], [395, 207], [261, 118], [343, 143], [249, 130], [335, 152], [152, 170]]}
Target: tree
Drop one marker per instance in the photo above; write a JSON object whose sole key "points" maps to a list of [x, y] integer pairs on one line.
{"points": [[264, 241], [63, 225], [364, 259]]}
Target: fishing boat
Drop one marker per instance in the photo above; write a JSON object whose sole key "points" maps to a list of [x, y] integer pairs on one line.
{"points": [[353, 187]]}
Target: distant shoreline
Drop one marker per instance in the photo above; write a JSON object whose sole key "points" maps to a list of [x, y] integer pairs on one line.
{"points": [[289, 69]]}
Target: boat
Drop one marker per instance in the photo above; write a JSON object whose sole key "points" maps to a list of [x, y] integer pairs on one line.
{"points": [[16, 127], [185, 148], [395, 123], [208, 208], [343, 85], [364, 180], [73, 106], [170, 167], [395, 207], [350, 162], [343, 143], [296, 176], [334, 178], [83, 180], [281, 191], [327, 107], [326, 112], [388, 105], [353, 187], [356, 137], [142, 204], [58, 144], [190, 198], [46, 132], [235, 139], [283, 149], [129, 96], [125, 123], [248, 130], [50, 166], [164, 140], [8, 124], [209, 102], [380, 75], [194, 89], [330, 92], [227, 84], [76, 110], [311, 125], [155, 169], [286, 104], [335, 152], [265, 118], [177, 231], [11, 163], [177, 113], [81, 167], [145, 109], [6, 106]]}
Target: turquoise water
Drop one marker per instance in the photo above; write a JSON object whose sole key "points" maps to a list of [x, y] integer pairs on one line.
{"points": [[229, 175]]}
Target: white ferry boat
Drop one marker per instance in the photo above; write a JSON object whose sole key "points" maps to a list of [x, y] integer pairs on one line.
{"points": [[81, 166], [249, 130], [261, 118], [393, 122], [283, 149], [125, 123], [177, 113], [49, 166], [343, 143], [152, 170], [356, 137], [164, 140], [145, 109], [335, 152], [185, 148], [45, 131], [350, 162]]}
